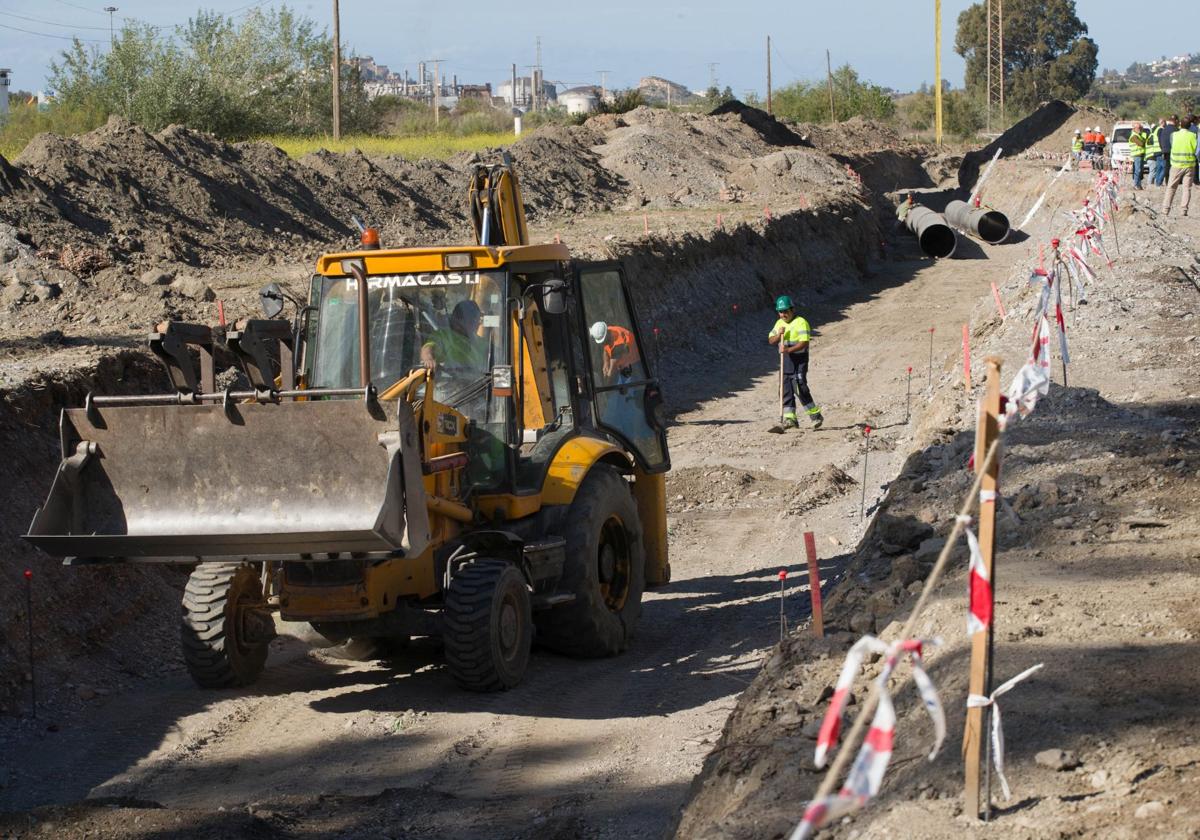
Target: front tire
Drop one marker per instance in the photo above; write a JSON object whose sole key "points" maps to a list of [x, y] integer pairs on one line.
{"points": [[488, 618], [225, 629], [605, 569]]}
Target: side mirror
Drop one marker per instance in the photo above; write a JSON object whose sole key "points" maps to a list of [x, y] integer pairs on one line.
{"points": [[656, 412], [271, 298], [554, 297]]}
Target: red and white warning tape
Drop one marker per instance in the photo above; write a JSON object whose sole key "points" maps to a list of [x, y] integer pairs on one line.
{"points": [[976, 701], [979, 589], [866, 774]]}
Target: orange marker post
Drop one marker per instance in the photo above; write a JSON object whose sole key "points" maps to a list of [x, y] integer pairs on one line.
{"points": [[967, 357], [814, 583], [999, 303]]}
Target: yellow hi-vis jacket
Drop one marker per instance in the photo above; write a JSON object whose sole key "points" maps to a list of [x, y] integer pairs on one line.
{"points": [[1183, 149], [793, 331]]}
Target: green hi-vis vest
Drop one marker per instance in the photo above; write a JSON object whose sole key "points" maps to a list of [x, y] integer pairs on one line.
{"points": [[1137, 144], [1152, 147], [795, 331], [1183, 149], [1077, 146]]}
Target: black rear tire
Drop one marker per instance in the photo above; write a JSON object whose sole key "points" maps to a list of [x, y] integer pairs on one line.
{"points": [[222, 646], [488, 618], [605, 569]]}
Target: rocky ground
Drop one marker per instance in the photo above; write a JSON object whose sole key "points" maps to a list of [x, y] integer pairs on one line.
{"points": [[706, 722], [1094, 572]]}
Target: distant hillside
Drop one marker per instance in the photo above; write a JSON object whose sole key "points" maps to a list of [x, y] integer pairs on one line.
{"points": [[1164, 72]]}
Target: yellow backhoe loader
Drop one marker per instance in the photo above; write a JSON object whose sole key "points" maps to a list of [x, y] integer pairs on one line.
{"points": [[460, 442]]}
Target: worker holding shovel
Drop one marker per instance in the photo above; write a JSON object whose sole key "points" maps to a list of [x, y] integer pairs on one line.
{"points": [[791, 333]]}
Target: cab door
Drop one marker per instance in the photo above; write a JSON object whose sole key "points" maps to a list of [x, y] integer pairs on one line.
{"points": [[626, 399]]}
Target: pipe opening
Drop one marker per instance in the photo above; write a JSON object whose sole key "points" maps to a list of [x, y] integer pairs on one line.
{"points": [[938, 241], [993, 227]]}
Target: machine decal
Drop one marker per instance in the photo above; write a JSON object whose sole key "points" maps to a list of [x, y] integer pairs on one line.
{"points": [[391, 281]]}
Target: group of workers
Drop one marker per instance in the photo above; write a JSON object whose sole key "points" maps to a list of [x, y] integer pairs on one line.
{"points": [[1171, 146], [1089, 143]]}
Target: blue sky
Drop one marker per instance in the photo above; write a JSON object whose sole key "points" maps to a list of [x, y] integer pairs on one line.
{"points": [[889, 42]]}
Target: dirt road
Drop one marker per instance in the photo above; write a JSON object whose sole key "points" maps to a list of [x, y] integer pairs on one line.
{"points": [[599, 749]]}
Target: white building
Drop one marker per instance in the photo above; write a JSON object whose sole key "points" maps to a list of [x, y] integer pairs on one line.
{"points": [[580, 100]]}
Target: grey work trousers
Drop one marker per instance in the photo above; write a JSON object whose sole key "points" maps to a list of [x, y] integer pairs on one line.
{"points": [[1180, 175]]}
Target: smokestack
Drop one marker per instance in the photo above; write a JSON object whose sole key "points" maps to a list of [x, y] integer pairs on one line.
{"points": [[5, 82]]}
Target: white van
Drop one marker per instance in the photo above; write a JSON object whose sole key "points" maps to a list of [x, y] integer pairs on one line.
{"points": [[1118, 144]]}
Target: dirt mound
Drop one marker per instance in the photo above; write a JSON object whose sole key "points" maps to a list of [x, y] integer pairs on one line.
{"points": [[1048, 129], [672, 159], [769, 129], [828, 483], [852, 136], [560, 172]]}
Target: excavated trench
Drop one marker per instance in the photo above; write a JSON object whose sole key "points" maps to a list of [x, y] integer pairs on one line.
{"points": [[685, 285]]}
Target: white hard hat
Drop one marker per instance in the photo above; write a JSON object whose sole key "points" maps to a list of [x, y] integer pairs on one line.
{"points": [[599, 332], [1097, 128], [1078, 131]]}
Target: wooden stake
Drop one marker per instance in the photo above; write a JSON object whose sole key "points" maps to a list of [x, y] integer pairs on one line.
{"points": [[988, 430], [814, 583]]}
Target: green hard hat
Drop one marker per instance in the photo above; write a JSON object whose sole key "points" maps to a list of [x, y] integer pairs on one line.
{"points": [[783, 303]]}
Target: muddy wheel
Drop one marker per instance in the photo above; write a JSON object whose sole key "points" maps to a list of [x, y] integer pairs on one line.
{"points": [[226, 627], [488, 625], [605, 569]]}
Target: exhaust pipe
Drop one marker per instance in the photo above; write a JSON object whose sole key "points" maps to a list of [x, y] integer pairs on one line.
{"points": [[936, 237], [989, 225]]}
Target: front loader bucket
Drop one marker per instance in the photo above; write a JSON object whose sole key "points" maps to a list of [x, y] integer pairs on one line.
{"points": [[253, 480]]}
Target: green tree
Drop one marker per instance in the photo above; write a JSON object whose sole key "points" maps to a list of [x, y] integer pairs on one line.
{"points": [[809, 102], [267, 72], [1047, 54]]}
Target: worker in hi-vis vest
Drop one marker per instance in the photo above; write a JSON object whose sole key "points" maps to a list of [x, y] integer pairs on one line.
{"points": [[1154, 154], [791, 333], [1138, 140], [1077, 145], [1183, 166]]}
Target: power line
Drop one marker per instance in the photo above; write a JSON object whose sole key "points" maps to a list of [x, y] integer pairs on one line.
{"points": [[50, 22], [76, 6], [48, 35]]}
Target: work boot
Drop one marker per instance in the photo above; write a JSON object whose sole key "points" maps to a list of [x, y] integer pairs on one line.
{"points": [[790, 423], [817, 420]]}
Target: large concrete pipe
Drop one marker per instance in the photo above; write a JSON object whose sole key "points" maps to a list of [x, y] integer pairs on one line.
{"points": [[936, 237], [989, 225]]}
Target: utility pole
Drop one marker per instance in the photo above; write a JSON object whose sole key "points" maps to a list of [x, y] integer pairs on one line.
{"points": [[937, 71], [513, 89], [337, 73], [769, 111], [829, 78], [112, 38], [538, 89], [533, 78], [603, 84], [995, 60]]}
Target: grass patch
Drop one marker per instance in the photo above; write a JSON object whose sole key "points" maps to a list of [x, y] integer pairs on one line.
{"points": [[439, 146]]}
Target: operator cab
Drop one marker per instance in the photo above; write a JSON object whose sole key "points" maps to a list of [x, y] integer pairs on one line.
{"points": [[528, 378]]}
